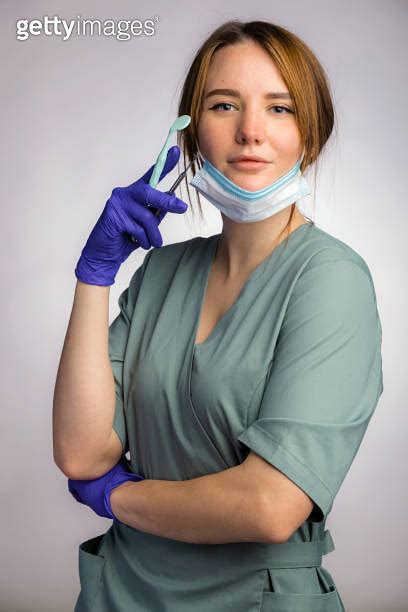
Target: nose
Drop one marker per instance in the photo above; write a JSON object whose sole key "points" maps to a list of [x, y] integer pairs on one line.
{"points": [[251, 128]]}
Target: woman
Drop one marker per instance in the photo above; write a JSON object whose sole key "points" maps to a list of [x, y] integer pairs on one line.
{"points": [[247, 365]]}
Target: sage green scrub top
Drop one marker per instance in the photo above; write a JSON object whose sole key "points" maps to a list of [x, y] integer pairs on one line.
{"points": [[292, 370]]}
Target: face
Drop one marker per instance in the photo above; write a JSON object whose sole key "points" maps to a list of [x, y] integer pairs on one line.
{"points": [[248, 123]]}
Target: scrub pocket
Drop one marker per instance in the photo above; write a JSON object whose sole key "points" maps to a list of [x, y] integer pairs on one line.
{"points": [[91, 566], [326, 601]]}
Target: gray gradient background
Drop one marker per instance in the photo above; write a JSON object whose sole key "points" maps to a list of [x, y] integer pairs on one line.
{"points": [[83, 116]]}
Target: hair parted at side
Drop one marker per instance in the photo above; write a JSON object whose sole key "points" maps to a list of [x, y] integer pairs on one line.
{"points": [[300, 69]]}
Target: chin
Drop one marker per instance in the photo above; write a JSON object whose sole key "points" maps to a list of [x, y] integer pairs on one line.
{"points": [[250, 183]]}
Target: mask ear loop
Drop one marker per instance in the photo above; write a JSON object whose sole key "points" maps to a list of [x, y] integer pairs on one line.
{"points": [[199, 156], [302, 156]]}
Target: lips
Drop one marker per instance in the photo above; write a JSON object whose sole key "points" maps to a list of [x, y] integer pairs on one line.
{"points": [[249, 158], [249, 165]]}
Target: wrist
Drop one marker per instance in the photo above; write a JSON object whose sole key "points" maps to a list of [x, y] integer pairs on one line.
{"points": [[96, 274], [116, 499]]}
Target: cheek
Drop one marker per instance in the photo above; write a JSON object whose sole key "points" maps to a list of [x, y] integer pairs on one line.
{"points": [[208, 135], [285, 140]]}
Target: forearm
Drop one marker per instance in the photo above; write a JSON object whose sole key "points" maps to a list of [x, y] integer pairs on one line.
{"points": [[84, 395], [213, 509]]}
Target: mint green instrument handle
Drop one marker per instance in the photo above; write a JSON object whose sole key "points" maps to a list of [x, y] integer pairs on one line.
{"points": [[159, 165]]}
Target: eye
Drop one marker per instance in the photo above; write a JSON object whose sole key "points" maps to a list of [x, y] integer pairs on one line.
{"points": [[220, 104], [288, 110], [284, 108]]}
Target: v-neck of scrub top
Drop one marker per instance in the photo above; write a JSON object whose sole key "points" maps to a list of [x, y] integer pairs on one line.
{"points": [[260, 269]]}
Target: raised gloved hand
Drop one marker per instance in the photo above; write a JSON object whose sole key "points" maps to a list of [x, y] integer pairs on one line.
{"points": [[126, 214], [96, 493]]}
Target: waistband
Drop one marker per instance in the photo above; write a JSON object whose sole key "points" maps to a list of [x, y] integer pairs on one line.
{"points": [[171, 558], [299, 554]]}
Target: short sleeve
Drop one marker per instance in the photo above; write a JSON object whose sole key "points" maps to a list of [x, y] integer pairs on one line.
{"points": [[118, 339], [325, 381]]}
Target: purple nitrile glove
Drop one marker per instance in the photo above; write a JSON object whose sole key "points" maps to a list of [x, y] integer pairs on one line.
{"points": [[96, 493], [126, 214]]}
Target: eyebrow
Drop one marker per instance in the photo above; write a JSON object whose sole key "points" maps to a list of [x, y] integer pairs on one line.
{"points": [[235, 93]]}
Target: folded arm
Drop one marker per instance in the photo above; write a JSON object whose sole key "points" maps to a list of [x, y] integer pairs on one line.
{"points": [[235, 505]]}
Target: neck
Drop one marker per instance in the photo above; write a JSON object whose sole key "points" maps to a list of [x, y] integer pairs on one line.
{"points": [[243, 246]]}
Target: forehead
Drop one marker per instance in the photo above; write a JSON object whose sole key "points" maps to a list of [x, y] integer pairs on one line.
{"points": [[243, 65]]}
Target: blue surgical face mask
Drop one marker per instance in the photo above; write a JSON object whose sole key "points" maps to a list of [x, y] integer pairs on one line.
{"points": [[245, 206]]}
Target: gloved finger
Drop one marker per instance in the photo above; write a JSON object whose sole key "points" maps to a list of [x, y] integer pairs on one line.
{"points": [[150, 196], [161, 213], [173, 155], [150, 226], [145, 231], [181, 205]]}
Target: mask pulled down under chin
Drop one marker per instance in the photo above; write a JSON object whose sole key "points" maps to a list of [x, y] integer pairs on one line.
{"points": [[245, 206]]}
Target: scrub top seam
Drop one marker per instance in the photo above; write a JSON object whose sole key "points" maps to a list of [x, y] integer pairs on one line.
{"points": [[258, 384], [265, 264], [335, 261]]}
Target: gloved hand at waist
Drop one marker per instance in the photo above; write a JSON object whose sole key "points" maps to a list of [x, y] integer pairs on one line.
{"points": [[96, 493]]}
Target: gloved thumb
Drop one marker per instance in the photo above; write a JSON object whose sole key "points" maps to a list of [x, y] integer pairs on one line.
{"points": [[173, 155]]}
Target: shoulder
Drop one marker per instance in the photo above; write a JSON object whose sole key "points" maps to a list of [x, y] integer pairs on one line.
{"points": [[324, 256], [323, 274], [331, 291]]}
